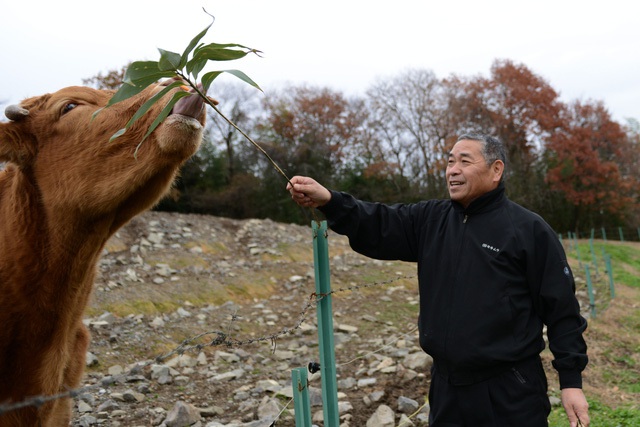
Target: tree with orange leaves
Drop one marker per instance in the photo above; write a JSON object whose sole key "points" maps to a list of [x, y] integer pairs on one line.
{"points": [[583, 164]]}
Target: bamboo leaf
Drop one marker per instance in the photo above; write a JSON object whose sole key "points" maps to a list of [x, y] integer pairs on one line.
{"points": [[138, 76], [220, 52], [194, 42], [194, 67], [117, 134], [208, 78], [143, 73], [242, 76], [169, 61], [124, 92]]}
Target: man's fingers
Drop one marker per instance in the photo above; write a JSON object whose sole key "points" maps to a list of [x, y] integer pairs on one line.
{"points": [[583, 420]]}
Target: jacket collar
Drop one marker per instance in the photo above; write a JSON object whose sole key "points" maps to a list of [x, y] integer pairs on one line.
{"points": [[487, 202]]}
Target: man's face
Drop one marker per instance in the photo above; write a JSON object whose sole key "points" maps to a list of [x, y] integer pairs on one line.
{"points": [[468, 175]]}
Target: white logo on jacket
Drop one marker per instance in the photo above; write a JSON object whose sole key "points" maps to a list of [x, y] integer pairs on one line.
{"points": [[491, 248]]}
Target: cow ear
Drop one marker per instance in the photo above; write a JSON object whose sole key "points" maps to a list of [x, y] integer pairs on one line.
{"points": [[15, 146]]}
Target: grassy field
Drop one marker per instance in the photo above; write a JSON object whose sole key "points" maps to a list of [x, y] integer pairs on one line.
{"points": [[612, 379]]}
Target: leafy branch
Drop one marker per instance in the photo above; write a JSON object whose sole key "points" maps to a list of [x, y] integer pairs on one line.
{"points": [[184, 68]]}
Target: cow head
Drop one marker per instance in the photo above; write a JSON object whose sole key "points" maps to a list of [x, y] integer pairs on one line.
{"points": [[57, 144]]}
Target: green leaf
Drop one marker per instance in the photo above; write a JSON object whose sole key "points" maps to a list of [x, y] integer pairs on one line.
{"points": [[194, 67], [124, 92], [144, 108], [169, 61], [220, 52], [208, 78], [193, 43], [242, 76], [143, 73], [214, 52], [138, 76], [117, 134]]}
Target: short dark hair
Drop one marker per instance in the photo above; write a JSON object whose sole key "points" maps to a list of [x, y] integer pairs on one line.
{"points": [[492, 148]]}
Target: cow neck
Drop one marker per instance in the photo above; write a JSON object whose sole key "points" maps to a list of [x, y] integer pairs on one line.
{"points": [[20, 203], [68, 246]]}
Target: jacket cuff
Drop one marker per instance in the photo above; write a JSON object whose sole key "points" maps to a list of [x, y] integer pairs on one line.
{"points": [[570, 379], [332, 205]]}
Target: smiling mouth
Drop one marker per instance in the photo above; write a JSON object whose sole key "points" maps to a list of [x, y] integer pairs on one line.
{"points": [[455, 183]]}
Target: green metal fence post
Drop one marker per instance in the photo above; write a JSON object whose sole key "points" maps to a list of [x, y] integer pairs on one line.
{"points": [[593, 256], [604, 234], [607, 259], [578, 253], [325, 325], [302, 408], [592, 301], [621, 233]]}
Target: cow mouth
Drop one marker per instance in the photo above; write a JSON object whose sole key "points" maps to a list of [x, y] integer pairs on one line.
{"points": [[190, 106]]}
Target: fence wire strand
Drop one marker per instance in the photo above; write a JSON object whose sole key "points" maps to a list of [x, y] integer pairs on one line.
{"points": [[220, 339]]}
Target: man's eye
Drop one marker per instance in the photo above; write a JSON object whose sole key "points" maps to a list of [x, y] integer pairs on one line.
{"points": [[68, 107]]}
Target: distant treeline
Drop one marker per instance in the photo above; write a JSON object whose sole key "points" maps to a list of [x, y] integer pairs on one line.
{"points": [[569, 162]]}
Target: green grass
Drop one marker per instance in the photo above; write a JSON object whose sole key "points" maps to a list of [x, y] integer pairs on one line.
{"points": [[629, 256], [625, 260], [618, 366], [601, 416]]}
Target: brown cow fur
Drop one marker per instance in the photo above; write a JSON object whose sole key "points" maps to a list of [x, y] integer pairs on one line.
{"points": [[65, 190]]}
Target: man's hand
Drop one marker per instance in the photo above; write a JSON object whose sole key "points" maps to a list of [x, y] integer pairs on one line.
{"points": [[576, 406], [307, 192]]}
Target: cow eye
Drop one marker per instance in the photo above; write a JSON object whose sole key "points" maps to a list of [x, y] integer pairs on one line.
{"points": [[68, 107]]}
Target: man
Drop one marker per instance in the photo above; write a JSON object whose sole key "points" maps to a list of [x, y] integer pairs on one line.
{"points": [[490, 274]]}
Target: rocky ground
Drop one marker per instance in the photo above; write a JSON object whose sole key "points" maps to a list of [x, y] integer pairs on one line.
{"points": [[199, 320]]}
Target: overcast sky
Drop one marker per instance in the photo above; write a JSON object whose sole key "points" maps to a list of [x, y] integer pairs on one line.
{"points": [[584, 49]]}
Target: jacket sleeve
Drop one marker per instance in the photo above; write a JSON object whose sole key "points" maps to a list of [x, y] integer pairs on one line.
{"points": [[553, 289], [375, 230]]}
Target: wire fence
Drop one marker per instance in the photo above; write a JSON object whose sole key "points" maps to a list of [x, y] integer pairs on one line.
{"points": [[213, 338], [595, 268], [620, 234]]}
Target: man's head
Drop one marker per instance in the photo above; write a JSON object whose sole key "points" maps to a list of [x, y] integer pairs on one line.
{"points": [[476, 165]]}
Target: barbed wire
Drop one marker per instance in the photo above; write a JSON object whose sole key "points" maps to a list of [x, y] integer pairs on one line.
{"points": [[220, 338]]}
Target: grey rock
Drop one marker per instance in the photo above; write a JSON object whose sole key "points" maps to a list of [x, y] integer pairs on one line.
{"points": [[181, 415], [382, 417], [407, 405]]}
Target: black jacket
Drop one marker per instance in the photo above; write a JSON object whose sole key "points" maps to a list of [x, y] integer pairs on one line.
{"points": [[489, 277]]}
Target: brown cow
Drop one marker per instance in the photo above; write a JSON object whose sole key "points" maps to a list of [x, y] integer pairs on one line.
{"points": [[65, 190]]}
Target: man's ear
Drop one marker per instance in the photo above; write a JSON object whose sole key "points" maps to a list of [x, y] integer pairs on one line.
{"points": [[498, 169]]}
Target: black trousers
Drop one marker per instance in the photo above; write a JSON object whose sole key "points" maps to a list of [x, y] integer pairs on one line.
{"points": [[514, 397]]}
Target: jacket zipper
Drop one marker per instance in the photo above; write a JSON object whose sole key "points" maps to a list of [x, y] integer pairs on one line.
{"points": [[519, 376], [452, 289]]}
